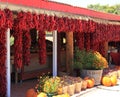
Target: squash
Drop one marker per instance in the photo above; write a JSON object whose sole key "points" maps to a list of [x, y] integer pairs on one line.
{"points": [[113, 80], [109, 80], [90, 82], [106, 81], [31, 93]]}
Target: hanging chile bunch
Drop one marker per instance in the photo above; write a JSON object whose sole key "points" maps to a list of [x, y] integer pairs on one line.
{"points": [[41, 37], [2, 54], [51, 23], [93, 44], [102, 48], [26, 37], [2, 61], [35, 20], [80, 40], [6, 21], [41, 23], [26, 45], [19, 26], [87, 41], [59, 24], [42, 47], [91, 26]]}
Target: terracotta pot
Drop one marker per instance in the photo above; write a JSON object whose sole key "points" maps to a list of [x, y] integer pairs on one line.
{"points": [[84, 85], [64, 89], [78, 87], [71, 89]]}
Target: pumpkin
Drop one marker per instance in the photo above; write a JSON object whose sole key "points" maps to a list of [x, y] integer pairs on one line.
{"points": [[90, 82], [31, 93], [106, 81], [113, 80], [109, 80]]}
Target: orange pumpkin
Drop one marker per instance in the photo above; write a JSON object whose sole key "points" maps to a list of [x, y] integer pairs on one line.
{"points": [[90, 82], [109, 80], [113, 80], [106, 81], [31, 93]]}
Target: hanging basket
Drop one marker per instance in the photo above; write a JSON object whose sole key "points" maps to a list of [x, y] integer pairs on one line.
{"points": [[96, 74]]}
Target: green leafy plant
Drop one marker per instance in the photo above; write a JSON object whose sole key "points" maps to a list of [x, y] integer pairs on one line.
{"points": [[41, 80], [78, 58], [91, 60], [51, 85]]}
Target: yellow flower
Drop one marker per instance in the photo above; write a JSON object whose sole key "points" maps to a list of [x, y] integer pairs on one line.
{"points": [[51, 85]]}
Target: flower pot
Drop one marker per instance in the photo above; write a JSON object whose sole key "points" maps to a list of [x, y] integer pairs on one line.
{"points": [[84, 84], [64, 89], [71, 89], [51, 94], [78, 87], [96, 74]]}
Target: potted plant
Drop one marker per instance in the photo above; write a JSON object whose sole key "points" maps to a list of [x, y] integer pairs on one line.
{"points": [[91, 63], [48, 85], [51, 86]]}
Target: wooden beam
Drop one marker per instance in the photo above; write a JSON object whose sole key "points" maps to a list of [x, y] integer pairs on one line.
{"points": [[69, 51]]}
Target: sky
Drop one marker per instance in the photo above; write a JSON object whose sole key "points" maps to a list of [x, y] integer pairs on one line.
{"points": [[84, 3]]}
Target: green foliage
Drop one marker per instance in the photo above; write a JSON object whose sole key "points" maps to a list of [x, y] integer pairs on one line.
{"points": [[78, 58], [90, 61], [115, 9], [41, 81], [85, 60], [11, 40]]}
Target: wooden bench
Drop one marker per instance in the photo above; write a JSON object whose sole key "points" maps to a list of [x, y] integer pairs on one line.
{"points": [[33, 74]]}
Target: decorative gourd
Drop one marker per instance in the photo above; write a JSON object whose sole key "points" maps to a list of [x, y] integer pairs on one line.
{"points": [[31, 93]]}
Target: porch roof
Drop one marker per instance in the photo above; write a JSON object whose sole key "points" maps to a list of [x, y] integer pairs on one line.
{"points": [[60, 7]]}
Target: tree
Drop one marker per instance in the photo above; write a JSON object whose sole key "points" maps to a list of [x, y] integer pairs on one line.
{"points": [[115, 9]]}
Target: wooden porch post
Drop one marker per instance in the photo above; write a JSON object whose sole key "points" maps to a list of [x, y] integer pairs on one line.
{"points": [[69, 51], [106, 49]]}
